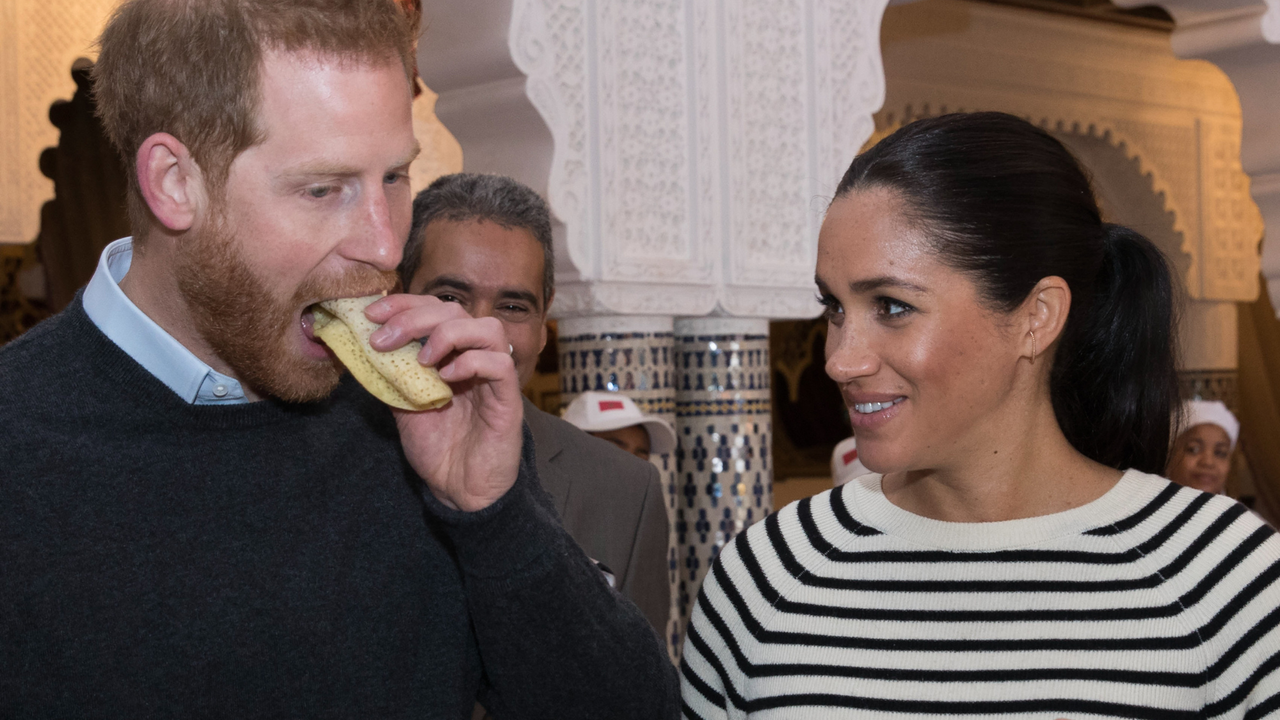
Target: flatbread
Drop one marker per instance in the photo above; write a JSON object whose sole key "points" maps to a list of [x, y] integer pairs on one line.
{"points": [[396, 378]]}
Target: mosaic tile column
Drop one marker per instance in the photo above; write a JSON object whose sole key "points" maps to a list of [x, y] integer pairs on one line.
{"points": [[629, 355], [723, 422]]}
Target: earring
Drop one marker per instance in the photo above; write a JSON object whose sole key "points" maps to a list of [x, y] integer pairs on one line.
{"points": [[1032, 333]]}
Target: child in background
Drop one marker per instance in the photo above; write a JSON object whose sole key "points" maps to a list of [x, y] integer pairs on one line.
{"points": [[1201, 456]]}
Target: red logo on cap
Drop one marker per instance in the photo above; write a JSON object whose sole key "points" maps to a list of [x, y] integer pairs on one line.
{"points": [[606, 405], [850, 456]]}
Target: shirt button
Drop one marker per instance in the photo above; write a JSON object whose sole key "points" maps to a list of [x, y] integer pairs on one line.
{"points": [[220, 390]]}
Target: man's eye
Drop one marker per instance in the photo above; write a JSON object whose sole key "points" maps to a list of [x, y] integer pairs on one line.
{"points": [[320, 191], [392, 178], [515, 308], [446, 297]]}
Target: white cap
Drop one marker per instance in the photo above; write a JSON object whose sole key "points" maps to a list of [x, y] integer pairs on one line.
{"points": [[1213, 412], [597, 411], [845, 464]]}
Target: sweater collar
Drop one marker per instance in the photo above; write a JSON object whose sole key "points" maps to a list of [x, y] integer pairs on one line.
{"points": [[866, 502]]}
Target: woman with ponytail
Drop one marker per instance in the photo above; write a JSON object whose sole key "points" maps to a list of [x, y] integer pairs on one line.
{"points": [[1007, 359]]}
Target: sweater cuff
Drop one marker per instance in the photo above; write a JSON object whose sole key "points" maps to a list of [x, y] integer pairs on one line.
{"points": [[507, 536]]}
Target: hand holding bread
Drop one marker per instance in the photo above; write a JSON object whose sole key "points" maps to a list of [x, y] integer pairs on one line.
{"points": [[396, 377], [468, 450]]}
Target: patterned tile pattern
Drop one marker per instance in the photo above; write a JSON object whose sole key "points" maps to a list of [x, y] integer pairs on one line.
{"points": [[637, 364], [724, 426]]}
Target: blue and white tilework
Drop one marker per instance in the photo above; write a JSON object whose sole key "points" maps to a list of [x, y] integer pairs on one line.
{"points": [[629, 355], [725, 471]]}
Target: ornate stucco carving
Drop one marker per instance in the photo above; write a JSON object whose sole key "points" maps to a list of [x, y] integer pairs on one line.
{"points": [[1242, 37], [692, 145], [1178, 119], [39, 39], [441, 153]]}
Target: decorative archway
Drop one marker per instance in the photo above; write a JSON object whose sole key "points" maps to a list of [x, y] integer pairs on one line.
{"points": [[1242, 38], [1179, 120]]}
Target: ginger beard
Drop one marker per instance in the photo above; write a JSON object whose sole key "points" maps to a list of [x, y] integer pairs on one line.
{"points": [[252, 330]]}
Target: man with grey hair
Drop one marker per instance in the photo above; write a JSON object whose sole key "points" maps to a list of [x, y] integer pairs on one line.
{"points": [[484, 241]]}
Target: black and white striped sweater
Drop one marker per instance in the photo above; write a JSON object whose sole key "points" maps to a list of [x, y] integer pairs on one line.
{"points": [[1152, 601]]}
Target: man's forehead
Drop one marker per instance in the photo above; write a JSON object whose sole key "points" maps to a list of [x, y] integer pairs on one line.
{"points": [[327, 79], [318, 115]]}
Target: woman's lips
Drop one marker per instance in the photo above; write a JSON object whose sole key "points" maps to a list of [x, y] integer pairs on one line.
{"points": [[868, 412], [867, 407]]}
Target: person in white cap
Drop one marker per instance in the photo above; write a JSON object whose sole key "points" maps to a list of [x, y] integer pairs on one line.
{"points": [[1201, 456], [845, 464], [617, 419]]}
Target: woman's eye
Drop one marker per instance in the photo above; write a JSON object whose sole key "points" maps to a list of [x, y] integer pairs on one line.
{"points": [[830, 307], [891, 308]]}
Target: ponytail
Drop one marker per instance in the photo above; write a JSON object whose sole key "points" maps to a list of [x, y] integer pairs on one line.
{"points": [[1114, 382], [1004, 202]]}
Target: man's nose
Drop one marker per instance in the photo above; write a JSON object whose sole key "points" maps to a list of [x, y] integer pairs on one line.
{"points": [[377, 239]]}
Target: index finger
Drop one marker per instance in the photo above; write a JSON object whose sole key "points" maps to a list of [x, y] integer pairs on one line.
{"points": [[409, 317], [382, 310]]}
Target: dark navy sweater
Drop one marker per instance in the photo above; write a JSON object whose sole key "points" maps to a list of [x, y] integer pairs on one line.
{"points": [[277, 560]]}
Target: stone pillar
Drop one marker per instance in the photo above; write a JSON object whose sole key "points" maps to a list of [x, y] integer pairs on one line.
{"points": [[724, 425], [629, 355]]}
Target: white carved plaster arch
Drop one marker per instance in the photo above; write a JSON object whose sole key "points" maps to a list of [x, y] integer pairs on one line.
{"points": [[1242, 37], [686, 147], [1095, 127]]}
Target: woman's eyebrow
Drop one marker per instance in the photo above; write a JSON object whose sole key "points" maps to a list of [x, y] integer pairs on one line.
{"points": [[859, 287]]}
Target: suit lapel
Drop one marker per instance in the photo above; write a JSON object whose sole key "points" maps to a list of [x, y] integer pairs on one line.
{"points": [[547, 449]]}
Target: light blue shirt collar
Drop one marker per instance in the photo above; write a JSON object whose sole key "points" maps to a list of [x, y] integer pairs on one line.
{"points": [[145, 341]]}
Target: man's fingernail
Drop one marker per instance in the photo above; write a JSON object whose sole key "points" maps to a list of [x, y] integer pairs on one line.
{"points": [[446, 372], [426, 348], [380, 336]]}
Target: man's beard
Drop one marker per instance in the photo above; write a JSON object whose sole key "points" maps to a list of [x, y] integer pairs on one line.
{"points": [[249, 328]]}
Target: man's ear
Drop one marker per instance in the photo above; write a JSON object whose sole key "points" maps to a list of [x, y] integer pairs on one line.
{"points": [[1045, 312], [171, 182]]}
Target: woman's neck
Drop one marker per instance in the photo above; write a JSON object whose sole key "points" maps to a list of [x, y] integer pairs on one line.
{"points": [[1022, 466]]}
